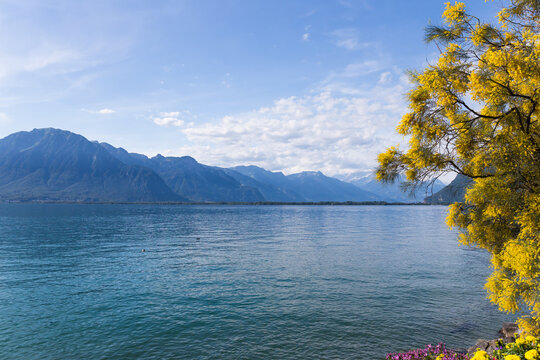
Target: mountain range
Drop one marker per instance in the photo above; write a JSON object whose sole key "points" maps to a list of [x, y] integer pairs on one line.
{"points": [[58, 165]]}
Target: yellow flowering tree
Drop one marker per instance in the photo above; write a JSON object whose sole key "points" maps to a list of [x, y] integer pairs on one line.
{"points": [[476, 112]]}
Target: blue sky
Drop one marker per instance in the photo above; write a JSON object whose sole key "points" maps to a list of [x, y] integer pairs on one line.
{"points": [[287, 85]]}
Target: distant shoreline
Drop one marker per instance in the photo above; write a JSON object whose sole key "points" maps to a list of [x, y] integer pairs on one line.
{"points": [[257, 203]]}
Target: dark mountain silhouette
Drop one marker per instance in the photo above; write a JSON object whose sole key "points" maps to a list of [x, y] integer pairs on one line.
{"points": [[453, 192]]}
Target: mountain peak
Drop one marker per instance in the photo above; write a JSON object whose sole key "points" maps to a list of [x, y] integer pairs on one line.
{"points": [[309, 173], [50, 132], [188, 159], [183, 159]]}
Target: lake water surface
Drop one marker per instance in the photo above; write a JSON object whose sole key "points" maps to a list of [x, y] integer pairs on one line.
{"points": [[235, 282]]}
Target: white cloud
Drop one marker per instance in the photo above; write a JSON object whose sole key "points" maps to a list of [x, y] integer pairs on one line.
{"points": [[305, 36], [170, 118], [327, 131], [104, 111]]}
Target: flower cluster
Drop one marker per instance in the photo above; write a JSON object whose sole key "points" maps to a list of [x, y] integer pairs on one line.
{"points": [[454, 14], [524, 348], [439, 352]]}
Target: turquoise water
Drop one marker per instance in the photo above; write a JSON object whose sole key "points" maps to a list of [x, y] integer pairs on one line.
{"points": [[235, 282]]}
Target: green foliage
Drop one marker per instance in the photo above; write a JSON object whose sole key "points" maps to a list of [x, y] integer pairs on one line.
{"points": [[476, 112]]}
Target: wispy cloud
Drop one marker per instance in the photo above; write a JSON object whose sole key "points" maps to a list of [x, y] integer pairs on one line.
{"points": [[360, 69], [349, 38], [4, 118], [38, 59], [49, 50], [227, 80], [345, 3], [350, 5], [385, 77], [349, 80], [309, 13]]}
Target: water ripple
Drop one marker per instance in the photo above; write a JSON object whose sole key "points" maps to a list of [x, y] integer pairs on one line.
{"points": [[235, 282]]}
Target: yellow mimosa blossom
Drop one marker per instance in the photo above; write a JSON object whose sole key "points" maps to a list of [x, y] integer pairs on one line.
{"points": [[454, 13]]}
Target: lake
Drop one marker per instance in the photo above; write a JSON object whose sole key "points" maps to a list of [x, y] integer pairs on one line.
{"points": [[235, 282]]}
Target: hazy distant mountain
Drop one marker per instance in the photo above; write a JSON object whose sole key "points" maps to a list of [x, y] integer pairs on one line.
{"points": [[264, 176], [453, 192], [269, 191], [393, 192], [315, 186], [57, 165], [275, 186], [307, 186]]}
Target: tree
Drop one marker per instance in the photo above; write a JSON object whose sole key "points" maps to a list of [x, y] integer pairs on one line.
{"points": [[476, 112]]}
